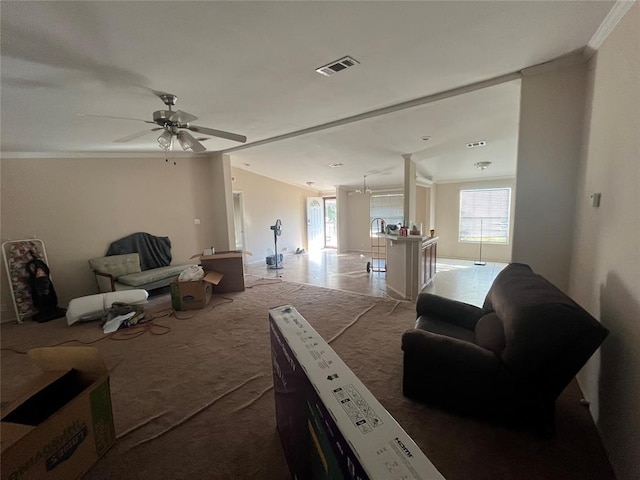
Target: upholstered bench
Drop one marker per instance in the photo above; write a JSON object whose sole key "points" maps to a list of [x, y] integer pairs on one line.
{"points": [[123, 272]]}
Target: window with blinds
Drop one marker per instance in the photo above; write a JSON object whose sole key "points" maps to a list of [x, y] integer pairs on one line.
{"points": [[389, 207], [484, 214]]}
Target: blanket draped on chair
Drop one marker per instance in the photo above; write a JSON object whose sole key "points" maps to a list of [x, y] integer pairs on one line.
{"points": [[154, 251]]}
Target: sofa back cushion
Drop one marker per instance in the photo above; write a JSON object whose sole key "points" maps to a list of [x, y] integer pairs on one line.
{"points": [[116, 265], [544, 329], [153, 251], [489, 333]]}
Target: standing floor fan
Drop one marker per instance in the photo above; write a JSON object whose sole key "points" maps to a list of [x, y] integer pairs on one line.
{"points": [[479, 261], [277, 231]]}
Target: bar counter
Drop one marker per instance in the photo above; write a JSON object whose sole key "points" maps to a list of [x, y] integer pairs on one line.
{"points": [[411, 263]]}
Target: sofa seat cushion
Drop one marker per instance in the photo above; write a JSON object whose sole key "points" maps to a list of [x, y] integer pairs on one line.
{"points": [[439, 327], [149, 276], [489, 333]]}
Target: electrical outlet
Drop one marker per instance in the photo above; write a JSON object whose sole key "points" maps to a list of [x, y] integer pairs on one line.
{"points": [[196, 221]]}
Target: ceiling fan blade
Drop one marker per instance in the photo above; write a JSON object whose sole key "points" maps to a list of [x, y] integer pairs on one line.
{"points": [[109, 116], [218, 133], [133, 136], [182, 117]]}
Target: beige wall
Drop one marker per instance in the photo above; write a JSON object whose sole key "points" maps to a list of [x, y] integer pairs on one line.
{"points": [[359, 222], [423, 200], [605, 271], [354, 211], [266, 200], [354, 218], [79, 206], [447, 223], [342, 204], [549, 146], [221, 199]]}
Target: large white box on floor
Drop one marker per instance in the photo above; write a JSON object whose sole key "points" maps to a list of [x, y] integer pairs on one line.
{"points": [[330, 425]]}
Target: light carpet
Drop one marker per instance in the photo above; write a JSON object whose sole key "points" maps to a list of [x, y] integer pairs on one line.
{"points": [[192, 396]]}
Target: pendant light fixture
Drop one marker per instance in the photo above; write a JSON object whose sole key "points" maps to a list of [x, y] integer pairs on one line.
{"points": [[364, 188]]}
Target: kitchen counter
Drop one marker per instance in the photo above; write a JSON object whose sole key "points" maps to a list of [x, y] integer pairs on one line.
{"points": [[411, 263]]}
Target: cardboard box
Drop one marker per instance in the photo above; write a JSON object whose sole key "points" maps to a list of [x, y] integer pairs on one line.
{"points": [[194, 295], [64, 422], [330, 424], [230, 264]]}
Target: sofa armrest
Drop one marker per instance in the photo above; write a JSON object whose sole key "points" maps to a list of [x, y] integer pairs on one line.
{"points": [[464, 377], [433, 350], [452, 373], [461, 314], [106, 282]]}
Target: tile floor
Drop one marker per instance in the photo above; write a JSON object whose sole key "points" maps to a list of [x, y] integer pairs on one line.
{"points": [[458, 279]]}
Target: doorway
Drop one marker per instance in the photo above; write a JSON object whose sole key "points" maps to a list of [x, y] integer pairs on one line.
{"points": [[330, 221], [315, 224]]}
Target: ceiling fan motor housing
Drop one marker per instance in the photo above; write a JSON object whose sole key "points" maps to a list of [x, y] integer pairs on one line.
{"points": [[163, 118]]}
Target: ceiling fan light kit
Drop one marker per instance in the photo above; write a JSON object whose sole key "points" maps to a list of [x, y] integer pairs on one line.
{"points": [[175, 123], [165, 140], [188, 142]]}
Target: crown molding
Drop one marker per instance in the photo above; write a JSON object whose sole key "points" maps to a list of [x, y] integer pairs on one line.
{"points": [[619, 10], [497, 178], [102, 154]]}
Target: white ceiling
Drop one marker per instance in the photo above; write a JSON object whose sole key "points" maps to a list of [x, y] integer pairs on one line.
{"points": [[249, 68]]}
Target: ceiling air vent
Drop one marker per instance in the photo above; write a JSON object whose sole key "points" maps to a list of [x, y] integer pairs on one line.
{"points": [[481, 143], [338, 65]]}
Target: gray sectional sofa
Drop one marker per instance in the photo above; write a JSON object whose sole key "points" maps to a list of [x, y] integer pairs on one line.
{"points": [[123, 272], [139, 260]]}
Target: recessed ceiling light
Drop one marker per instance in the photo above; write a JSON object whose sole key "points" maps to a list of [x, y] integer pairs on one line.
{"points": [[336, 165], [481, 143]]}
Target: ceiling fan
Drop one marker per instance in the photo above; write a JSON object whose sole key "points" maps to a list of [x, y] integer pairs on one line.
{"points": [[174, 124]]}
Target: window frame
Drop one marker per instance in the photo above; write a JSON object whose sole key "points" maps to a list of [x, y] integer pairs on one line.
{"points": [[387, 219], [483, 239]]}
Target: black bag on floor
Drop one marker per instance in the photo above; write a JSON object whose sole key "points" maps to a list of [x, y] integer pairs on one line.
{"points": [[42, 292]]}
